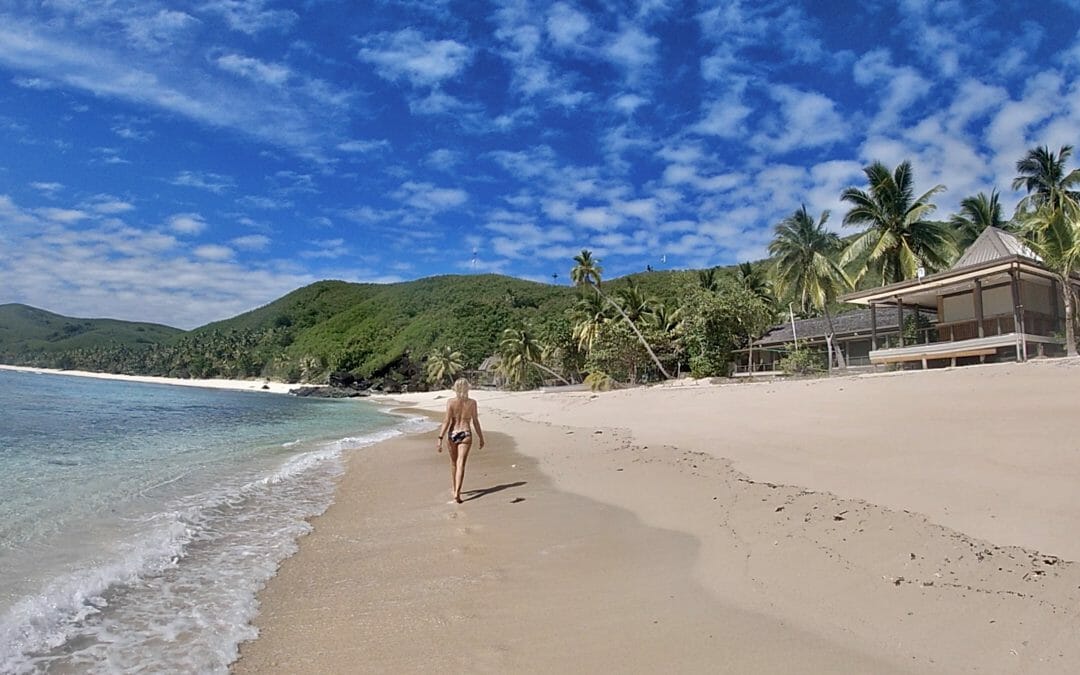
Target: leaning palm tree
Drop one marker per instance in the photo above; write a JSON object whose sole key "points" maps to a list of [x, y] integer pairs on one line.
{"points": [[975, 215], [898, 239], [444, 365], [1041, 173], [805, 267], [1053, 232], [520, 352], [587, 272]]}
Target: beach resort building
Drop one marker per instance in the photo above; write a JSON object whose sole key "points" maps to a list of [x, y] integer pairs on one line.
{"points": [[997, 302], [854, 333]]}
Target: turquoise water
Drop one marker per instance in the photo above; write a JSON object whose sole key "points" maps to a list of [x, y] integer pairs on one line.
{"points": [[138, 521]]}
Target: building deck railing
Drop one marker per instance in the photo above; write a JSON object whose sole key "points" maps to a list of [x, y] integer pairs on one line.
{"points": [[1034, 323]]}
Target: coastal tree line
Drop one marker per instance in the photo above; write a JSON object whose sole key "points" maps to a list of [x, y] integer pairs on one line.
{"points": [[643, 328], [628, 336]]}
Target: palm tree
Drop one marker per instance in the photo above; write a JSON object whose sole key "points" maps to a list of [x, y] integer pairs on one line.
{"points": [[805, 267], [587, 272], [520, 352], [1053, 232], [589, 313], [444, 365], [1042, 175], [756, 281], [899, 240], [665, 318], [707, 279], [634, 301], [976, 214]]}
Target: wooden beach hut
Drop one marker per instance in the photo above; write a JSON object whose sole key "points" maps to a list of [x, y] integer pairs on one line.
{"points": [[997, 302], [853, 333]]}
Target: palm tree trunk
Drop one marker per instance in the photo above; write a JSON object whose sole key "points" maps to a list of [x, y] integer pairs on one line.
{"points": [[637, 332], [551, 372], [832, 344], [1070, 333]]}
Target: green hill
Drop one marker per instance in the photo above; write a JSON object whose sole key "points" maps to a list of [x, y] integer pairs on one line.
{"points": [[25, 329], [370, 330]]}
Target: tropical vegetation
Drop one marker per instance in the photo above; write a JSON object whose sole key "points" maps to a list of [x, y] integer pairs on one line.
{"points": [[644, 327]]}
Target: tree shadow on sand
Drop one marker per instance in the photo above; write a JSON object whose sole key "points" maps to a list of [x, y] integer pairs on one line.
{"points": [[484, 492]]}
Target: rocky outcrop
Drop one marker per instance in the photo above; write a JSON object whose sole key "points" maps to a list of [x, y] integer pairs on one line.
{"points": [[329, 392]]}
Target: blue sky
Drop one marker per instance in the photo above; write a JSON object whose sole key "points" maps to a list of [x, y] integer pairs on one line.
{"points": [[183, 162]]}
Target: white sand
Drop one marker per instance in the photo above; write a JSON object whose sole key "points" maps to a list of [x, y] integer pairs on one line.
{"points": [[239, 385], [915, 522]]}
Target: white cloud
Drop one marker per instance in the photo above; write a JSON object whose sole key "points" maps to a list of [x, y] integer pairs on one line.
{"points": [[805, 119], [428, 197], [49, 188], [566, 25], [204, 180], [724, 118], [265, 203], [363, 147], [326, 248], [407, 55], [63, 215], [299, 117], [597, 218], [159, 31], [37, 83], [113, 270], [187, 223], [522, 240], [632, 49], [214, 252], [628, 103], [251, 242], [272, 74], [106, 205], [250, 16], [444, 159], [903, 86]]}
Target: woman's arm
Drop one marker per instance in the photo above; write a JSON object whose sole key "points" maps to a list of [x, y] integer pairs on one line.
{"points": [[445, 425], [476, 424]]}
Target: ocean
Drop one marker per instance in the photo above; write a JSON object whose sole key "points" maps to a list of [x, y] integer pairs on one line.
{"points": [[138, 521]]}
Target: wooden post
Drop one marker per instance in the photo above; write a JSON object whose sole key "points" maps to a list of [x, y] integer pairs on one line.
{"points": [[900, 318], [1054, 313], [1018, 319], [873, 327], [977, 295]]}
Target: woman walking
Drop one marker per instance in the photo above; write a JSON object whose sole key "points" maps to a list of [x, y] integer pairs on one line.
{"points": [[460, 423]]}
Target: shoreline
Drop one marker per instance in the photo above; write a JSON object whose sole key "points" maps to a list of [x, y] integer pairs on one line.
{"points": [[234, 385], [391, 575], [812, 538]]}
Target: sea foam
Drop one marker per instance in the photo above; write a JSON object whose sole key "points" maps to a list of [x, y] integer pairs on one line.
{"points": [[179, 593]]}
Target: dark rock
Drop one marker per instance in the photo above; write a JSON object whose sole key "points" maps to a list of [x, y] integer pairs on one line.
{"points": [[328, 392], [342, 379]]}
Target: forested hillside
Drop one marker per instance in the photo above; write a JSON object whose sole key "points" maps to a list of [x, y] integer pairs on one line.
{"points": [[27, 330], [370, 330]]}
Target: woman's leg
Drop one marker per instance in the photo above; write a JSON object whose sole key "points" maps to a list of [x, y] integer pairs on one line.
{"points": [[453, 454], [461, 455]]}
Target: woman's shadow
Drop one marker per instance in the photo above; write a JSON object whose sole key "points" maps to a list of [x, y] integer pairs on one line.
{"points": [[484, 492]]}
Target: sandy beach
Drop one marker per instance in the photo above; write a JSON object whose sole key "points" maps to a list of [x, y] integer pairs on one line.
{"points": [[910, 522], [235, 385]]}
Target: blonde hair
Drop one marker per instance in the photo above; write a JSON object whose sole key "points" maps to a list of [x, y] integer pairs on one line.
{"points": [[461, 388]]}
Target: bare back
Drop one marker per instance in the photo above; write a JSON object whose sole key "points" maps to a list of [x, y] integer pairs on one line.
{"points": [[460, 413]]}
